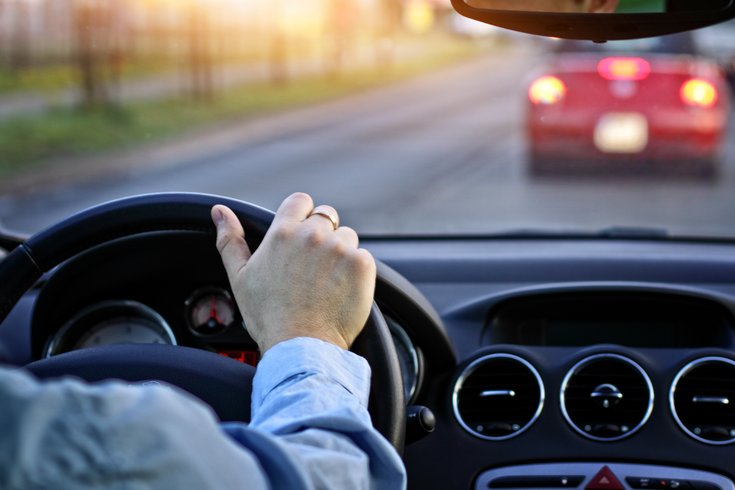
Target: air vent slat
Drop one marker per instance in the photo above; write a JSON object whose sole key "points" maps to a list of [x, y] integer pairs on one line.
{"points": [[606, 397], [709, 379], [513, 397]]}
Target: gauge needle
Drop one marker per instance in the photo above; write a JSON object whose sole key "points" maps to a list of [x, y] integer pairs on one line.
{"points": [[213, 310]]}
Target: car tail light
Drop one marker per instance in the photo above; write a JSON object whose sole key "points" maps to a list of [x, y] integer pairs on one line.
{"points": [[699, 93], [624, 68], [547, 90]]}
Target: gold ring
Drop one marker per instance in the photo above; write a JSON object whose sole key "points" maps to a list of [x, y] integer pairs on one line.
{"points": [[324, 214]]}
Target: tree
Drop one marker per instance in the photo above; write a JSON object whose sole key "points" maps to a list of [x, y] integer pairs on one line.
{"points": [[341, 23], [89, 31], [20, 51], [200, 53], [389, 21], [278, 46]]}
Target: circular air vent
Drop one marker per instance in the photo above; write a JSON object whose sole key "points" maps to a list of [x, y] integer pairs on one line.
{"points": [[702, 399], [498, 396], [606, 397]]}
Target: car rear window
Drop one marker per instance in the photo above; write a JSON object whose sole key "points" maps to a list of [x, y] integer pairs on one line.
{"points": [[676, 44]]}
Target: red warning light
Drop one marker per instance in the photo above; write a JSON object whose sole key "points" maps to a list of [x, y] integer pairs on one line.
{"points": [[604, 480], [243, 356]]}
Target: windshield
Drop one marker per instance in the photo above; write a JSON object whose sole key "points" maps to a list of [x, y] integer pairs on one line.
{"points": [[683, 43], [407, 118]]}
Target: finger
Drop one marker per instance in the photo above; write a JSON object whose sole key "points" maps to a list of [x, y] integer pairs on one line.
{"points": [[366, 262], [348, 236], [231, 242], [294, 209], [322, 215]]}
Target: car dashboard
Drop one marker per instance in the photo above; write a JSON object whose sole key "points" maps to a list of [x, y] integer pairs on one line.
{"points": [[596, 364]]}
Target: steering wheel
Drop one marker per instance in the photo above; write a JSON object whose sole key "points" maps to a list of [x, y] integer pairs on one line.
{"points": [[221, 382]]}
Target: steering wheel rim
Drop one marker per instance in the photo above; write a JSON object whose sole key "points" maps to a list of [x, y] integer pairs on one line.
{"points": [[180, 212]]}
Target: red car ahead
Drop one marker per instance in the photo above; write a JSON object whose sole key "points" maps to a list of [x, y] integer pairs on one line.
{"points": [[648, 103]]}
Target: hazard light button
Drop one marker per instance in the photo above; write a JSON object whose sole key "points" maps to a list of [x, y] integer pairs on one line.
{"points": [[605, 479]]}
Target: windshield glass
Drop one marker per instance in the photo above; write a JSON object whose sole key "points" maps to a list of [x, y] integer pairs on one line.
{"points": [[407, 118], [683, 43]]}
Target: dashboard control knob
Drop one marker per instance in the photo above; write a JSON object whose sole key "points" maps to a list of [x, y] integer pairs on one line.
{"points": [[420, 422]]}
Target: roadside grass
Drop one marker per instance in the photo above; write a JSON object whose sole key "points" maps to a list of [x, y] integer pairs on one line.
{"points": [[54, 76], [51, 79], [47, 78], [45, 139]]}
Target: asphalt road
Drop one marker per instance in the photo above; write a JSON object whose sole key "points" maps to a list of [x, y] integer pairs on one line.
{"points": [[439, 154]]}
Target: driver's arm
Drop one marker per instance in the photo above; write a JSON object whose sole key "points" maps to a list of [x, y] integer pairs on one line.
{"points": [[305, 295]]}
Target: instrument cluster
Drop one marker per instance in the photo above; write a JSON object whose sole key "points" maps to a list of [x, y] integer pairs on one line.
{"points": [[209, 312], [212, 322]]}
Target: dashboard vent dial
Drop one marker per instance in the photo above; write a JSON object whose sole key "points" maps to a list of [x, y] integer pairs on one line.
{"points": [[498, 396], [702, 399], [606, 397]]}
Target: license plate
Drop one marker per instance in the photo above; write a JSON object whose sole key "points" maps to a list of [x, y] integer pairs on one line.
{"points": [[621, 133]]}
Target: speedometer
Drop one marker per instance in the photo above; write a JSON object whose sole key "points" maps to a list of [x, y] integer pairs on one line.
{"points": [[108, 323], [123, 330]]}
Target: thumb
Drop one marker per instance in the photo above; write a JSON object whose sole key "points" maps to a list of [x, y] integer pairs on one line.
{"points": [[231, 242]]}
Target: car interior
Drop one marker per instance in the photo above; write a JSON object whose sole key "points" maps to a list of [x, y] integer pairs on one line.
{"points": [[586, 361]]}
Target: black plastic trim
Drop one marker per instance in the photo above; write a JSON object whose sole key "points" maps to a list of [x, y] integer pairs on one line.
{"points": [[596, 27]]}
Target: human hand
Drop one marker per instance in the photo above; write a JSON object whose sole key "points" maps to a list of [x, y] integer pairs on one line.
{"points": [[305, 280]]}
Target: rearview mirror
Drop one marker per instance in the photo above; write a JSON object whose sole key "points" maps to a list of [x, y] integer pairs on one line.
{"points": [[598, 20]]}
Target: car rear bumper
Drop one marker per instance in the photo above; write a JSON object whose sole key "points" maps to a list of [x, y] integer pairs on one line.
{"points": [[671, 136]]}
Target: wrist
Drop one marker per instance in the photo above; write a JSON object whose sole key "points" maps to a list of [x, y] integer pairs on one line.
{"points": [[335, 339]]}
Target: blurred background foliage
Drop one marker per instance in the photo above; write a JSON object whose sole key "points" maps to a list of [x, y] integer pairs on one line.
{"points": [[83, 75], [52, 44]]}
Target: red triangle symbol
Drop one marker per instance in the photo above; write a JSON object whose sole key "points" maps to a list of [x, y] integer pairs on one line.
{"points": [[604, 480]]}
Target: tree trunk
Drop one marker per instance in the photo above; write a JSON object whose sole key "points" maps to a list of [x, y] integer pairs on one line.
{"points": [[92, 34]]}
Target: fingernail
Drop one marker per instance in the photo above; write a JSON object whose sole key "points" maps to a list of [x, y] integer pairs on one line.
{"points": [[219, 217]]}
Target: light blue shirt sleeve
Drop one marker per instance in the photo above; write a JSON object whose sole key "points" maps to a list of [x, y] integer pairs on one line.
{"points": [[310, 430]]}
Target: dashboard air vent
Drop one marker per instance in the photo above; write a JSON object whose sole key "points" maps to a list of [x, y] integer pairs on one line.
{"points": [[498, 396], [606, 397], [702, 400]]}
